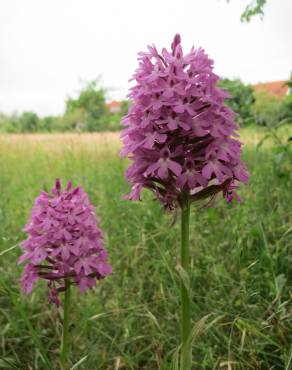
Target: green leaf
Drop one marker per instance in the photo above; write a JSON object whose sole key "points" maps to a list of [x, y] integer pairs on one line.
{"points": [[79, 362], [280, 282], [8, 363], [201, 327]]}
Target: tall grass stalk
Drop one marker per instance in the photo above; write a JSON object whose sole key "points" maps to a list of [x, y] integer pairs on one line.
{"points": [[65, 340], [186, 350], [25, 317]]}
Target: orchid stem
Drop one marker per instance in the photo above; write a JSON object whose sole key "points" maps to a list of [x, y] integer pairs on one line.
{"points": [[186, 349], [65, 339]]}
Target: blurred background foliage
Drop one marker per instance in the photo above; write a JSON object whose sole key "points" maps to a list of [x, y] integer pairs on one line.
{"points": [[241, 98], [89, 111]]}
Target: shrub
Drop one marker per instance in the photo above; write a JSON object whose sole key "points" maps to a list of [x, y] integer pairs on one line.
{"points": [[267, 109], [242, 98]]}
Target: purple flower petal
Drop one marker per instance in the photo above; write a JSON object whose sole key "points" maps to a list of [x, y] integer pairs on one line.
{"points": [[178, 113], [64, 241]]}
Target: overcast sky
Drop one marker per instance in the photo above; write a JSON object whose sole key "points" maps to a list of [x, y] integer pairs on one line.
{"points": [[47, 46]]}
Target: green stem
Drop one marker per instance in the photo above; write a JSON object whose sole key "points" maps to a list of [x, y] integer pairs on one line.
{"points": [[186, 350], [65, 339]]}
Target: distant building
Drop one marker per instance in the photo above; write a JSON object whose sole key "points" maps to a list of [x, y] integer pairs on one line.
{"points": [[277, 89], [114, 106]]}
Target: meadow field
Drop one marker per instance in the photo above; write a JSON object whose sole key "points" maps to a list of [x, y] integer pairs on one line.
{"points": [[241, 264]]}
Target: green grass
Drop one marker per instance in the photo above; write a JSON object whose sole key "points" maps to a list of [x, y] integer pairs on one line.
{"points": [[240, 266]]}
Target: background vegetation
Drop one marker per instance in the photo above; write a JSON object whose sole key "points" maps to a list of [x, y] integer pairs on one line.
{"points": [[88, 111], [241, 265]]}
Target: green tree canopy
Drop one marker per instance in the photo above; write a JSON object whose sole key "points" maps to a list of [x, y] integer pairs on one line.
{"points": [[28, 122], [89, 107], [242, 97], [267, 110]]}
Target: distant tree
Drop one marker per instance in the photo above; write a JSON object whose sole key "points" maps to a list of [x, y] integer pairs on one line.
{"points": [[47, 124], [73, 120], [3, 122], [113, 123], [289, 84], [28, 122], [91, 106], [12, 124], [267, 110], [242, 97], [125, 107], [86, 112], [287, 108], [287, 102]]}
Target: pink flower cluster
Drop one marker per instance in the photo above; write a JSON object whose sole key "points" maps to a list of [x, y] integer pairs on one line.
{"points": [[179, 134], [64, 242]]}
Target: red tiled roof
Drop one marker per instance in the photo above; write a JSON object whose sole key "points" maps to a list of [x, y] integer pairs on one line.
{"points": [[277, 89], [114, 104]]}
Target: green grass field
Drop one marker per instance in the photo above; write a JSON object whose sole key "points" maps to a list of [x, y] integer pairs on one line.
{"points": [[240, 265]]}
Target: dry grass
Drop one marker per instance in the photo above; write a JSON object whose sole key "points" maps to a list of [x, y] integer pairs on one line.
{"points": [[107, 141], [98, 142]]}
